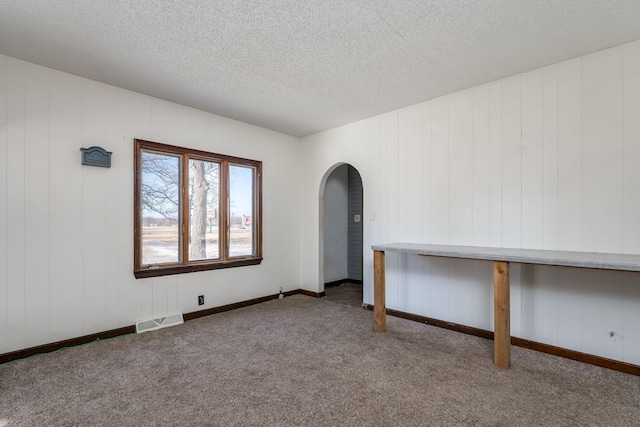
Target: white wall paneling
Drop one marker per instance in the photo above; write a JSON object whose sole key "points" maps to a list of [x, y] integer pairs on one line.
{"points": [[512, 176], [570, 155], [461, 307], [460, 159], [602, 151], [550, 157], [94, 209], [495, 163], [631, 147], [391, 202], [531, 303], [405, 127], [511, 162], [36, 205], [411, 202], [4, 308], [570, 310], [516, 292], [414, 286], [410, 186], [547, 282], [426, 214], [381, 180], [532, 155], [439, 167], [66, 230], [15, 272], [482, 294], [426, 169], [439, 287], [460, 204], [111, 143], [481, 180], [546, 159], [602, 313], [630, 336], [66, 215]]}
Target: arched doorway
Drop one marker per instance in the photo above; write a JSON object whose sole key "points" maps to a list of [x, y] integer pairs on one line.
{"points": [[341, 231]]}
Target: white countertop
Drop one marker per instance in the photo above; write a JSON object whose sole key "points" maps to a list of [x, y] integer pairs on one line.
{"points": [[602, 261]]}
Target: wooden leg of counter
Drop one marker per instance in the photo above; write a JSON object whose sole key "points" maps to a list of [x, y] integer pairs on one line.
{"points": [[379, 304], [502, 317]]}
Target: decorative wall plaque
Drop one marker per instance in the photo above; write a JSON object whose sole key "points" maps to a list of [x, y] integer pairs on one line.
{"points": [[96, 156]]}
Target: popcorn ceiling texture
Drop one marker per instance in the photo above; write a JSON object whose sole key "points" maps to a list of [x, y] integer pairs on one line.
{"points": [[300, 67]]}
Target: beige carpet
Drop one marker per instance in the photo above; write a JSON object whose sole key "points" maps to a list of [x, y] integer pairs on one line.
{"points": [[304, 361]]}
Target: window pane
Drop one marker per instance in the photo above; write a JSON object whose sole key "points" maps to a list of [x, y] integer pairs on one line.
{"points": [[241, 210], [204, 207], [160, 194]]}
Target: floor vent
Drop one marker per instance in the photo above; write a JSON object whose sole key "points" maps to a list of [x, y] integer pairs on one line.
{"points": [[159, 322]]}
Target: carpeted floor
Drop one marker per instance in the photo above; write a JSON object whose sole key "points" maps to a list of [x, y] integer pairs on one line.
{"points": [[306, 361], [346, 293]]}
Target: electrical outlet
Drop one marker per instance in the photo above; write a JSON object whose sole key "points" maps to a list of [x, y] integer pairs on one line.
{"points": [[201, 300]]}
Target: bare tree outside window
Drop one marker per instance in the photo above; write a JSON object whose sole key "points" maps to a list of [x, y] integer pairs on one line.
{"points": [[160, 208], [181, 222], [204, 195]]}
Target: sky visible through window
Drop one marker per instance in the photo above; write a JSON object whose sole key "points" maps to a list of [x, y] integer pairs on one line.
{"points": [[241, 190]]}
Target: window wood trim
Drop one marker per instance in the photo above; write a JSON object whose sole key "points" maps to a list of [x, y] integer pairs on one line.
{"points": [[185, 266]]}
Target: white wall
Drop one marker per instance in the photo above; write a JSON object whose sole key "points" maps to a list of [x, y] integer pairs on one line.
{"points": [[336, 225], [547, 159], [66, 231]]}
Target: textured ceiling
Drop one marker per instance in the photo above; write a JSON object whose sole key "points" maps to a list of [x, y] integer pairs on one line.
{"points": [[299, 66]]}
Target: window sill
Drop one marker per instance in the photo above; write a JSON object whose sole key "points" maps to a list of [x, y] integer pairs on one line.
{"points": [[180, 269]]}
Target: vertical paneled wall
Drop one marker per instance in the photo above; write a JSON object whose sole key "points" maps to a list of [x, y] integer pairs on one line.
{"points": [[66, 230], [355, 227], [546, 159]]}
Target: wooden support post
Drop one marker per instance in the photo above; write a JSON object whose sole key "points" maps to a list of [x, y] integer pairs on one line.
{"points": [[379, 305], [501, 314]]}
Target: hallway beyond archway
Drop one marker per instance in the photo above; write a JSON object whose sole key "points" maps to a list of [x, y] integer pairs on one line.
{"points": [[341, 227]]}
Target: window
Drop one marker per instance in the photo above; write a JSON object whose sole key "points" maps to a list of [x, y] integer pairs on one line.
{"points": [[194, 210]]}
